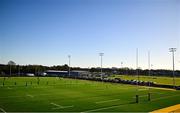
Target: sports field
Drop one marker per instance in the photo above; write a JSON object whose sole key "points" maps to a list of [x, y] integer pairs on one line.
{"points": [[156, 79], [58, 94]]}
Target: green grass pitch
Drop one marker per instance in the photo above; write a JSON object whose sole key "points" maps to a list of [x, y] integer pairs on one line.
{"points": [[65, 95]]}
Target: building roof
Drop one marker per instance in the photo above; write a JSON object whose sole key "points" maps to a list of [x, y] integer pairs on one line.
{"points": [[55, 71]]}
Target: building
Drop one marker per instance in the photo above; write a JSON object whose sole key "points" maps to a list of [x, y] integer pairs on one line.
{"points": [[65, 73], [56, 73]]}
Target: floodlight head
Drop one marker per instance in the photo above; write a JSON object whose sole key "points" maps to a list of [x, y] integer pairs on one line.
{"points": [[69, 56], [172, 49]]}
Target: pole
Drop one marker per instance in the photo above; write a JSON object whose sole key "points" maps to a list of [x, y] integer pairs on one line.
{"points": [[173, 50], [121, 64], [101, 67], [19, 71], [173, 70], [69, 56], [137, 96], [137, 64], [149, 72], [10, 70], [101, 54]]}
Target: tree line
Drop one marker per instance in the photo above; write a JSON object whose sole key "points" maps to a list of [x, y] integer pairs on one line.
{"points": [[15, 70]]}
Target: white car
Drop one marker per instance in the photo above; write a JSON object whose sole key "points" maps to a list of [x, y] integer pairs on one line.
{"points": [[30, 74]]}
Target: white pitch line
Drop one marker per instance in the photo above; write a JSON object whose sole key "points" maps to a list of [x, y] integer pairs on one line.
{"points": [[63, 107], [59, 106], [1, 109], [142, 89], [9, 88], [165, 97], [24, 95], [30, 95], [102, 108], [167, 89], [55, 104], [157, 93], [142, 96], [106, 101], [11, 97]]}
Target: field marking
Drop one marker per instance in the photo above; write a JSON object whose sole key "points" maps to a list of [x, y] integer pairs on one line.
{"points": [[11, 97], [9, 88], [63, 107], [102, 108], [59, 106], [167, 89], [1, 109], [157, 93], [30, 95], [18, 96], [142, 89], [165, 97], [106, 101], [142, 96]]}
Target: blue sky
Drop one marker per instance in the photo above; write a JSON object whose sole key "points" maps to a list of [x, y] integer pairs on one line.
{"points": [[46, 31]]}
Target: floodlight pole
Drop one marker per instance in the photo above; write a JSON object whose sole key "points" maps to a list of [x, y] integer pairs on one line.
{"points": [[19, 70], [121, 64], [149, 69], [137, 64], [149, 72], [137, 96], [69, 56], [101, 54], [10, 70], [173, 50]]}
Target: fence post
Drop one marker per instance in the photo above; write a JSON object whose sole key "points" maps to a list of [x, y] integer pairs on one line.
{"points": [[137, 98], [149, 96]]}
